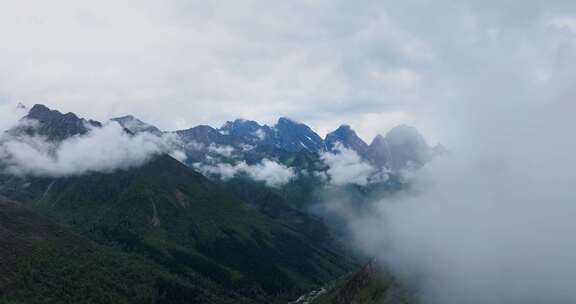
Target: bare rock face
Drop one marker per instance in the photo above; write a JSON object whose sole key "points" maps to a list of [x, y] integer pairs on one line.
{"points": [[135, 125], [348, 138], [249, 132], [52, 124], [293, 136], [379, 152]]}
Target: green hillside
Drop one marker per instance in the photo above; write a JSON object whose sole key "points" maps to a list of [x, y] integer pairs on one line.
{"points": [[191, 227], [370, 285], [43, 262]]}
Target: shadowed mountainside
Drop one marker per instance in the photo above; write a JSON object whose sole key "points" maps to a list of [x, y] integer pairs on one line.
{"points": [[43, 262], [186, 224]]}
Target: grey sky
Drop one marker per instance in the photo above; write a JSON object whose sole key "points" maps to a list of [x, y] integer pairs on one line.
{"points": [[372, 64]]}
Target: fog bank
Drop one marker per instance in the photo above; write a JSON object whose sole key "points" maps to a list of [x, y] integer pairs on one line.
{"points": [[491, 222]]}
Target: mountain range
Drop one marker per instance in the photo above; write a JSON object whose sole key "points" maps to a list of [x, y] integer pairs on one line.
{"points": [[163, 232], [400, 147], [53, 124]]}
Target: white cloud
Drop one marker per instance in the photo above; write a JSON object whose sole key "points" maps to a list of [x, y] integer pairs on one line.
{"points": [[10, 114], [345, 166], [105, 149], [260, 134], [491, 222], [179, 155], [193, 145], [246, 147], [225, 151], [224, 170], [270, 172]]}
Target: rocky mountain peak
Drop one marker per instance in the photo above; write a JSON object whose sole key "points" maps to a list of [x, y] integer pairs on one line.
{"points": [[21, 106], [54, 125], [40, 111], [294, 136], [135, 125], [379, 151], [378, 141], [404, 134], [347, 137], [285, 121], [240, 127], [407, 147], [248, 131]]}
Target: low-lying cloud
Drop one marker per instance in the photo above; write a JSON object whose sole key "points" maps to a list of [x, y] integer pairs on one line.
{"points": [[345, 166], [105, 149], [492, 222], [9, 115], [225, 151], [270, 172]]}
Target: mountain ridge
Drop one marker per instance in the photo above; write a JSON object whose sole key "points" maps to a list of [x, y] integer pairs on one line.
{"points": [[53, 124], [387, 150]]}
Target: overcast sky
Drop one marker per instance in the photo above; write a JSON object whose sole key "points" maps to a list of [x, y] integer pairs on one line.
{"points": [[372, 64]]}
